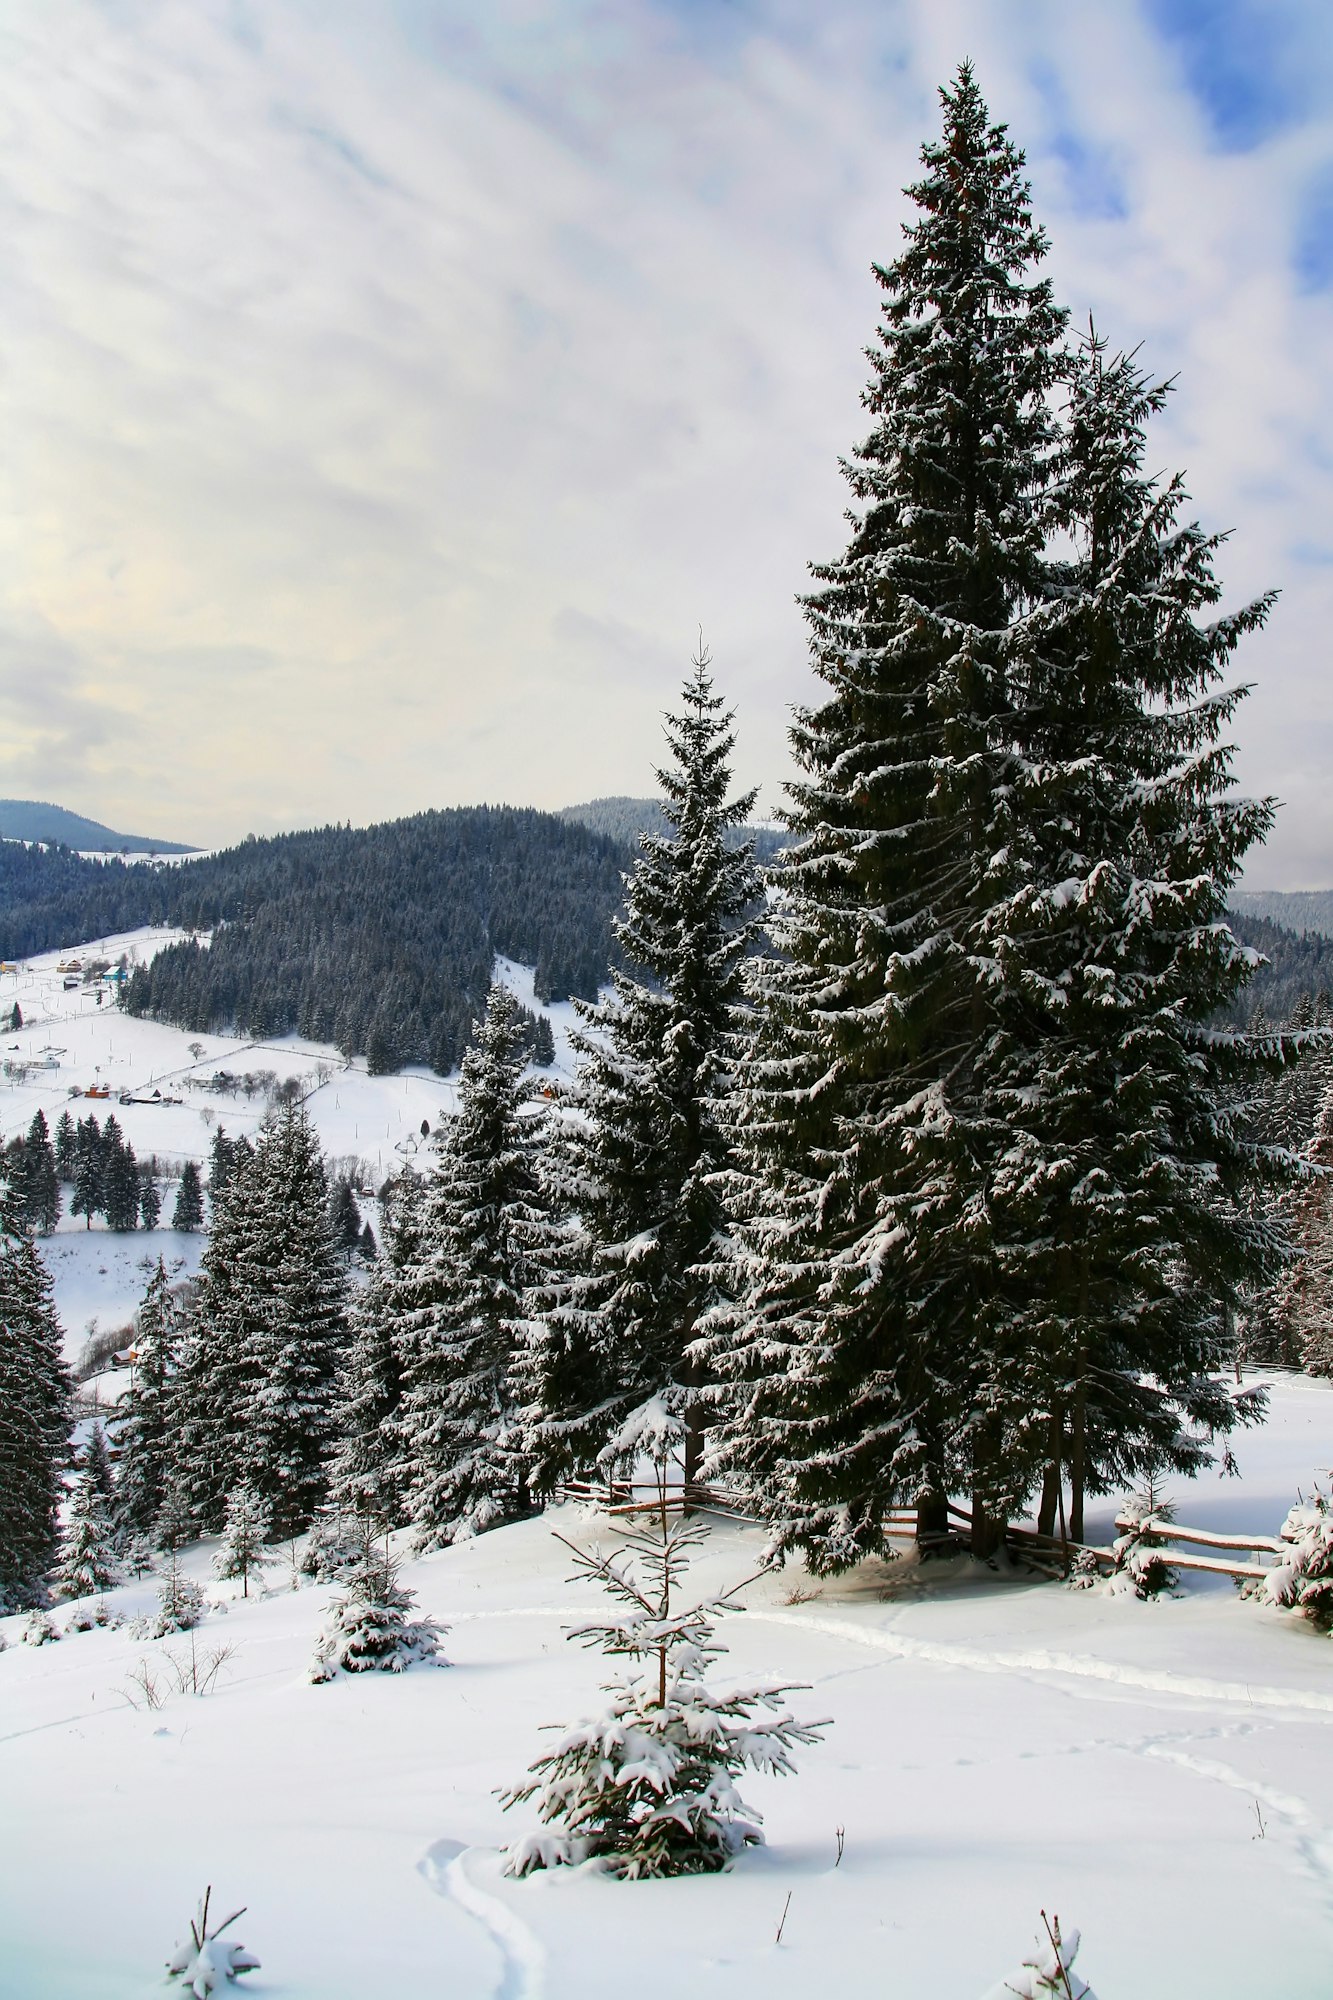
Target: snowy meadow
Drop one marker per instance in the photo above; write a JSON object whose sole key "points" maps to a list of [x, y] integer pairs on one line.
{"points": [[1155, 1773]]}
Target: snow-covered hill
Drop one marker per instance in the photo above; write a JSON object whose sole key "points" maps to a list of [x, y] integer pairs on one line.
{"points": [[1158, 1774], [70, 1040]]}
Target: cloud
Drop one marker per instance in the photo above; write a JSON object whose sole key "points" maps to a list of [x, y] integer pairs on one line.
{"points": [[389, 394]]}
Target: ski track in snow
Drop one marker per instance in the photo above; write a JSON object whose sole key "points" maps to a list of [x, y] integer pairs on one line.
{"points": [[524, 1961]]}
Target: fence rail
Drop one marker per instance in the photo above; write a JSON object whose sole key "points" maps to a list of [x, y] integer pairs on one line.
{"points": [[630, 1497]]}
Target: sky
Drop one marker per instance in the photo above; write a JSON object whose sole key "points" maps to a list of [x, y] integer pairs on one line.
{"points": [[392, 395]]}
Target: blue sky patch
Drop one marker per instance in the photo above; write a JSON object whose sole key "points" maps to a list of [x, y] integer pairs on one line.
{"points": [[1313, 247], [1239, 63]]}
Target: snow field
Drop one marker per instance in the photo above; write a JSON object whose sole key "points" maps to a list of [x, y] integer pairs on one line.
{"points": [[1159, 1774]]}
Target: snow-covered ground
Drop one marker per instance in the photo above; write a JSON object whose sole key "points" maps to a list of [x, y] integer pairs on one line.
{"points": [[375, 1120], [1161, 1775]]}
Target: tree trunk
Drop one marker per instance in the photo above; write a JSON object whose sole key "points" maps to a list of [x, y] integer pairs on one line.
{"points": [[1077, 1460], [1050, 1484], [987, 1530], [932, 1524]]}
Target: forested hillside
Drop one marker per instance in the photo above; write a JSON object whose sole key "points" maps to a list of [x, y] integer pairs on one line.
{"points": [[379, 938], [1297, 964]]}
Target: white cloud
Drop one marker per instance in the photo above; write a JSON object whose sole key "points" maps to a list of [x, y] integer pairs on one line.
{"points": [[390, 393]]}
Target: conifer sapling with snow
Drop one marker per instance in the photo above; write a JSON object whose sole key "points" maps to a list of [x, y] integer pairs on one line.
{"points": [[244, 1536], [649, 1787], [368, 1629], [1049, 1974], [1303, 1581], [206, 1961]]}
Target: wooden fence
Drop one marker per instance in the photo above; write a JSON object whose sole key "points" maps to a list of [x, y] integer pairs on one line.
{"points": [[628, 1497]]}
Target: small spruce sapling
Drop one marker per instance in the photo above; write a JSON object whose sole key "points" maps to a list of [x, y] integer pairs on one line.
{"points": [[1141, 1565], [1049, 1974], [244, 1535], [649, 1787], [206, 1962], [180, 1600], [368, 1629], [1303, 1581]]}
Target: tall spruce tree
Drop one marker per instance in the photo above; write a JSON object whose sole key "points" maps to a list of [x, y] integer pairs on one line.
{"points": [[188, 1214], [145, 1430], [1123, 1219], [255, 1394], [465, 1465], [297, 1326], [638, 1162], [34, 1418], [367, 1480], [867, 1290]]}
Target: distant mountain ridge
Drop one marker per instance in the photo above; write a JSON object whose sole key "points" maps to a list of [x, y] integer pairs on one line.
{"points": [[625, 819], [34, 819]]}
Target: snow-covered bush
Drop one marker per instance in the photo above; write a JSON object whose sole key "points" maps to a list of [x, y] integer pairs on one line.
{"points": [[246, 1531], [89, 1615], [1141, 1564], [649, 1787], [205, 1963], [1049, 1974], [1303, 1581], [368, 1629], [180, 1601], [39, 1630]]}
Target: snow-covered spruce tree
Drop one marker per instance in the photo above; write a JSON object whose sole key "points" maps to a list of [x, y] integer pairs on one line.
{"points": [[367, 1474], [256, 1389], [1122, 1223], [637, 1162], [87, 1551], [144, 1428], [188, 1214], [298, 1328], [96, 1463], [866, 1287], [214, 1384], [368, 1629], [245, 1537], [649, 1787], [464, 1466], [34, 1418]]}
